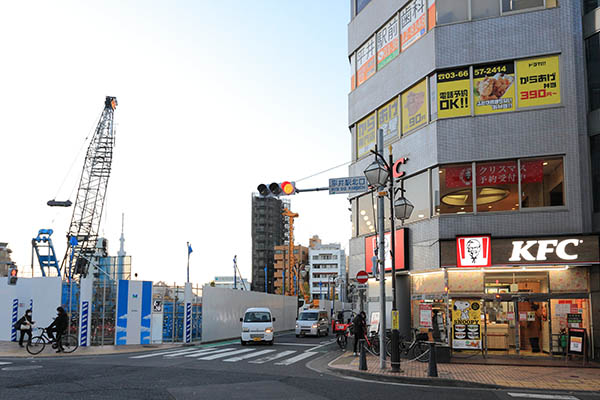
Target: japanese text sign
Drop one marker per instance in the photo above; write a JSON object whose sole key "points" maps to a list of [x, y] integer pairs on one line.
{"points": [[538, 81], [365, 135], [388, 43], [454, 93], [365, 61], [387, 119], [414, 107], [412, 22], [494, 89]]}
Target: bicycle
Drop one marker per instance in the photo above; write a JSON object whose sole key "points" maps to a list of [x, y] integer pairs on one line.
{"points": [[417, 345], [37, 344]]}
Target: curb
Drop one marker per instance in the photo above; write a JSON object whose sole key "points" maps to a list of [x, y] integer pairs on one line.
{"points": [[82, 354]]}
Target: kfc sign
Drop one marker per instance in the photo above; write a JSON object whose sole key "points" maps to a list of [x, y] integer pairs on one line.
{"points": [[473, 251], [537, 250]]}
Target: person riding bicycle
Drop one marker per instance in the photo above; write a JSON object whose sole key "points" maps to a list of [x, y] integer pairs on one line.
{"points": [[359, 328], [60, 324]]}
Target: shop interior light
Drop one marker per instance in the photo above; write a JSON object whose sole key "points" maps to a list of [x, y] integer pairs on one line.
{"points": [[425, 273], [532, 268], [485, 196]]}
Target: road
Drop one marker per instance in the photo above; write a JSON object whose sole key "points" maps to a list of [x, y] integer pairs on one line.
{"points": [[291, 369]]}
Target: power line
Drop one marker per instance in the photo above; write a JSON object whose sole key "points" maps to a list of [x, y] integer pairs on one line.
{"points": [[322, 172]]}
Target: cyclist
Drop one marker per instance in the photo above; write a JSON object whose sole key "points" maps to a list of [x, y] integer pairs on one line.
{"points": [[359, 328], [60, 324]]}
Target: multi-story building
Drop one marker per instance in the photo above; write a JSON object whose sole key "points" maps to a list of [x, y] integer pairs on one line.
{"points": [[497, 113], [282, 264], [268, 231], [327, 271]]}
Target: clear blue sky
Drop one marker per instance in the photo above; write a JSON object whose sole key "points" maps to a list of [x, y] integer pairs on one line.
{"points": [[214, 98]]}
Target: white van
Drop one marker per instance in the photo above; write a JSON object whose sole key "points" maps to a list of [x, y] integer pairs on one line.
{"points": [[312, 322], [257, 326]]}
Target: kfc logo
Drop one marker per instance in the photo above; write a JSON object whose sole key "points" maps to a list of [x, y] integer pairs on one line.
{"points": [[525, 250], [474, 251]]}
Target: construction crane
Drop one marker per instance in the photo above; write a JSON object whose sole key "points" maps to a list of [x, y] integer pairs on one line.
{"points": [[44, 250], [89, 203]]}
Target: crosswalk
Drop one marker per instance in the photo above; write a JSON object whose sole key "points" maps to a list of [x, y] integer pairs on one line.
{"points": [[234, 354]]}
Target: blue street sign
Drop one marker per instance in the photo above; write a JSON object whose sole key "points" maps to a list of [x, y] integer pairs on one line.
{"points": [[351, 184]]}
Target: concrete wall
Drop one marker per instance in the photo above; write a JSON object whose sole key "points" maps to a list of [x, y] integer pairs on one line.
{"points": [[223, 308], [43, 293]]}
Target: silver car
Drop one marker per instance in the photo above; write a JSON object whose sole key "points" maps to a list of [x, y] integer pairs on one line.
{"points": [[312, 322]]}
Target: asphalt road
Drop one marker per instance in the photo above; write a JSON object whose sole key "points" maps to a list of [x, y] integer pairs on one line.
{"points": [[291, 369]]}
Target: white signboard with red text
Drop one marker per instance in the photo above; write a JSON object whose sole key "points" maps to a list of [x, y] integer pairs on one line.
{"points": [[371, 246], [473, 251]]}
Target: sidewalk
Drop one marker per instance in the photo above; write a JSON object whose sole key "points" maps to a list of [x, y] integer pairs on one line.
{"points": [[12, 349], [470, 375]]}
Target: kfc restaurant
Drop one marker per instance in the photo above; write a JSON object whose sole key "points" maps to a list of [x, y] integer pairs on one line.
{"points": [[527, 296]]}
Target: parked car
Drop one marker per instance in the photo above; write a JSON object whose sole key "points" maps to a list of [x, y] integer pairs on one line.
{"points": [[257, 326], [312, 322]]}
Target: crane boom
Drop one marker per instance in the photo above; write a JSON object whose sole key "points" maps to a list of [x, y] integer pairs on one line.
{"points": [[91, 194]]}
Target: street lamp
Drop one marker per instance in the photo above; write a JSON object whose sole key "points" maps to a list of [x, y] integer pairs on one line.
{"points": [[402, 207], [378, 172]]}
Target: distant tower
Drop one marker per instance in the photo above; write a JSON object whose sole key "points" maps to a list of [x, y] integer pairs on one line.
{"points": [[121, 254]]}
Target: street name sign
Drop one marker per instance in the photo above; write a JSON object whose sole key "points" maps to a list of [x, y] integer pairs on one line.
{"points": [[350, 184]]}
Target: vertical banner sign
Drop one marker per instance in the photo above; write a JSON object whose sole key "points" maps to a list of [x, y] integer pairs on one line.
{"points": [[365, 62], [538, 81], [453, 90], [365, 135], [493, 87], [388, 43], [83, 333], [188, 313], [414, 107], [352, 72], [412, 22], [387, 119], [430, 14], [466, 324], [15, 311]]}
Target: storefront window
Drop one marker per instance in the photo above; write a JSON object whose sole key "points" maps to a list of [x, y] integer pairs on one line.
{"points": [[449, 11], [367, 214], [592, 45], [516, 282], [542, 183], [484, 9], [518, 5], [455, 195], [497, 186], [417, 192]]}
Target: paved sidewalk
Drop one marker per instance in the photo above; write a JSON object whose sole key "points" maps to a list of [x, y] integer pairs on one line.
{"points": [[553, 378], [12, 349]]}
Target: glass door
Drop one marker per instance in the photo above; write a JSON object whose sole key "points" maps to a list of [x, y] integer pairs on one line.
{"points": [[533, 328], [500, 328]]}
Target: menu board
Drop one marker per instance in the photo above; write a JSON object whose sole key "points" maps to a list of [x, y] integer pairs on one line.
{"points": [[412, 22], [538, 81], [466, 324], [493, 87], [453, 93], [414, 107], [388, 43]]}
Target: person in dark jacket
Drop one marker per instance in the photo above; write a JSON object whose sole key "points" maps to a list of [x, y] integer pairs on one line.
{"points": [[359, 326], [25, 325], [60, 324]]}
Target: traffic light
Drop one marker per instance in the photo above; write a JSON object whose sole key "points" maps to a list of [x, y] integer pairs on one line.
{"points": [[12, 275], [285, 188]]}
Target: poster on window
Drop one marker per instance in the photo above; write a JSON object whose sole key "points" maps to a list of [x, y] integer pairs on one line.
{"points": [[538, 81], [414, 107], [412, 22], [500, 173], [388, 43], [493, 87], [425, 316], [365, 135], [466, 324], [387, 119], [430, 14], [352, 72], [453, 93], [371, 250], [365, 62]]}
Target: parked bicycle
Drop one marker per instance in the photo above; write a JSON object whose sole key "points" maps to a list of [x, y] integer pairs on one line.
{"points": [[415, 347], [37, 344]]}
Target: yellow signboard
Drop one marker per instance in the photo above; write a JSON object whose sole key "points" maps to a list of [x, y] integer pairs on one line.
{"points": [[365, 135], [414, 107], [538, 81], [454, 93], [466, 324], [387, 119], [395, 319], [494, 89]]}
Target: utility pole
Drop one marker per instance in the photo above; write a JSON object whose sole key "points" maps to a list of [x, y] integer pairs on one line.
{"points": [[381, 223]]}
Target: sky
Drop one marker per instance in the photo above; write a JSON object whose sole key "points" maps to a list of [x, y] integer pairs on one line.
{"points": [[215, 97]]}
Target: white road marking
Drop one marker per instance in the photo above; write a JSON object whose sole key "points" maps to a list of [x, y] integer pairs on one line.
{"points": [[295, 344], [543, 396], [162, 353], [322, 345], [5, 363], [181, 353], [299, 357], [245, 356], [273, 357], [215, 356], [208, 351]]}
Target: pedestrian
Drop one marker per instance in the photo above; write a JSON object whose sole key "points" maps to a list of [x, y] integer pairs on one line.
{"points": [[25, 326], [60, 324], [359, 329]]}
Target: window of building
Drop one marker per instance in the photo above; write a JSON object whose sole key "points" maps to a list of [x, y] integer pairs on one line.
{"points": [[497, 186], [593, 69], [518, 5], [484, 9], [449, 11], [590, 5], [542, 182], [455, 194], [367, 214], [595, 149], [417, 192], [360, 5]]}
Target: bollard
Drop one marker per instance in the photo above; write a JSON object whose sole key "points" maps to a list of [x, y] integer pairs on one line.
{"points": [[395, 356], [432, 370], [362, 362]]}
